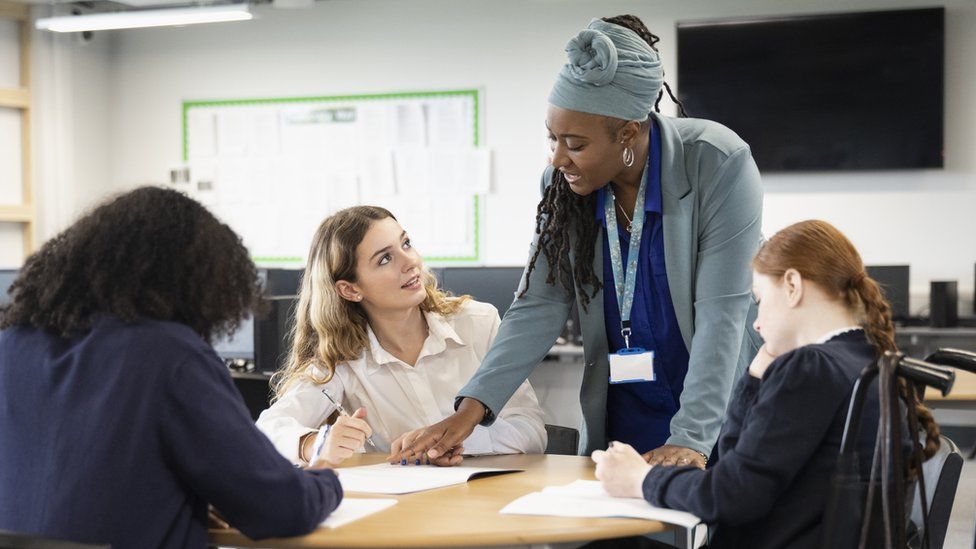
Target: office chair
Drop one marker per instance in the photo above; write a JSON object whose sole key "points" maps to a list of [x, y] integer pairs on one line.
{"points": [[563, 441], [15, 540], [874, 511], [942, 472]]}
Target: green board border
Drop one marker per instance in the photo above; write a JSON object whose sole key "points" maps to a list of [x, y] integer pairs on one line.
{"points": [[476, 139]]}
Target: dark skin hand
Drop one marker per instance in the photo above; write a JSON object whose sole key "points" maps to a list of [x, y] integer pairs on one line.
{"points": [[670, 455], [443, 438]]}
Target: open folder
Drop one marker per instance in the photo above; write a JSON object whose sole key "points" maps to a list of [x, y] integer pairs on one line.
{"points": [[404, 479]]}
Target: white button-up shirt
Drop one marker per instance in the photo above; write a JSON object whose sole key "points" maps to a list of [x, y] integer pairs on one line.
{"points": [[399, 398]]}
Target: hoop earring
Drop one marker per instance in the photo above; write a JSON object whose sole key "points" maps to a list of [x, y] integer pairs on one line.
{"points": [[628, 156]]}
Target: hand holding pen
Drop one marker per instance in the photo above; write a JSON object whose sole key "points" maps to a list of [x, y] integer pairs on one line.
{"points": [[360, 414], [335, 443]]}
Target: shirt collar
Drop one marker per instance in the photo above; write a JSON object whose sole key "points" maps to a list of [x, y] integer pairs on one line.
{"points": [[831, 335], [439, 332], [652, 190]]}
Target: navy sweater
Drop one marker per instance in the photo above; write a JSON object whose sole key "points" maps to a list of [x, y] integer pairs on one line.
{"points": [[778, 450], [123, 436]]}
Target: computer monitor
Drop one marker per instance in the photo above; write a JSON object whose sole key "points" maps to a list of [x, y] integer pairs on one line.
{"points": [[240, 344], [894, 285], [7, 277], [495, 285], [277, 283]]}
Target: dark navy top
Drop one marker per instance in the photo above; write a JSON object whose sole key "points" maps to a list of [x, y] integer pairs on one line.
{"points": [[778, 449], [640, 413], [123, 435]]}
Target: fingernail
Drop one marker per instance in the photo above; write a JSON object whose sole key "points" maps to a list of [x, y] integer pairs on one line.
{"points": [[418, 461], [403, 462]]}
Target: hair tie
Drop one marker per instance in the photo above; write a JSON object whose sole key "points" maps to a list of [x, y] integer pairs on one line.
{"points": [[857, 279]]}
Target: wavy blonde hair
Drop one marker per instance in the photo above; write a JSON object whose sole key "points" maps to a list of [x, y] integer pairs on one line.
{"points": [[330, 330]]}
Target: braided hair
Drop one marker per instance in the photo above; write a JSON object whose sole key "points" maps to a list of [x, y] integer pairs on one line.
{"points": [[564, 219]]}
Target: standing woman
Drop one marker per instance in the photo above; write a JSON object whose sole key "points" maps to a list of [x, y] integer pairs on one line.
{"points": [[681, 199]]}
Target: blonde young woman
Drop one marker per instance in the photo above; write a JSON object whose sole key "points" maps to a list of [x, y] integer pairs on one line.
{"points": [[375, 333]]}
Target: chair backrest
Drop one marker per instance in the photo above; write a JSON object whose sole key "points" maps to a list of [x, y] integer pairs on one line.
{"points": [[16, 540], [942, 472], [562, 440]]}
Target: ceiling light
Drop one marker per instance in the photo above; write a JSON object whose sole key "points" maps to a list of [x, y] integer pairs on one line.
{"points": [[145, 18]]}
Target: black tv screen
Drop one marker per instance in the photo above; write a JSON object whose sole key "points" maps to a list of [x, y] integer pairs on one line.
{"points": [[849, 91]]}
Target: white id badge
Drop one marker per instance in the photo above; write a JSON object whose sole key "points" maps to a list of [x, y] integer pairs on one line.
{"points": [[632, 365]]}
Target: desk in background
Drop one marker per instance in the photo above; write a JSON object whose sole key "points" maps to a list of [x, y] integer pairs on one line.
{"points": [[466, 515]]}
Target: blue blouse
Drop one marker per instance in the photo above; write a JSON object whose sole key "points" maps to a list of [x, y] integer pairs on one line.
{"points": [[640, 413]]}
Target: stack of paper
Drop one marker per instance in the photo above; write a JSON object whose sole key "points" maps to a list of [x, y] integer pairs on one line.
{"points": [[396, 479], [586, 498], [354, 509]]}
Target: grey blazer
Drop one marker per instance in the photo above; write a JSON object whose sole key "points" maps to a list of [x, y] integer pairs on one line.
{"points": [[712, 209]]}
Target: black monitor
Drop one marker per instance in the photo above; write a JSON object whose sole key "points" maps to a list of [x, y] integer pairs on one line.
{"points": [[241, 344], [894, 285], [495, 285], [7, 277], [841, 91]]}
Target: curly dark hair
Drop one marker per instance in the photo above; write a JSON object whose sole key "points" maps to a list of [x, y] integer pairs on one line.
{"points": [[148, 253], [564, 218]]}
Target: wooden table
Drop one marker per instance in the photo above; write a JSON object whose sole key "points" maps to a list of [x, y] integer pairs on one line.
{"points": [[466, 515]]}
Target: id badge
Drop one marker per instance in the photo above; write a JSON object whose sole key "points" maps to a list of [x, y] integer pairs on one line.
{"points": [[632, 365]]}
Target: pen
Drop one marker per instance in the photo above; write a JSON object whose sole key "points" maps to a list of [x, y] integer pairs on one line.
{"points": [[319, 443], [343, 411]]}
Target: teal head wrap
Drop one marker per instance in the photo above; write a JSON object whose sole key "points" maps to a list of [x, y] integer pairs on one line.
{"points": [[610, 71]]}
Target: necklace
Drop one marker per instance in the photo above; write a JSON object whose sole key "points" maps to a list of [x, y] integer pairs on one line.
{"points": [[627, 217]]}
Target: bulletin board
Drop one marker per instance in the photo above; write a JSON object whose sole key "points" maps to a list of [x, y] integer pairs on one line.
{"points": [[273, 169]]}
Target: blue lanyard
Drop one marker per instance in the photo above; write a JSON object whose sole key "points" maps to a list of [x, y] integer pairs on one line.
{"points": [[625, 284]]}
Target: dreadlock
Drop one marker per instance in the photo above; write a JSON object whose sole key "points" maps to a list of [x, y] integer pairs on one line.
{"points": [[560, 214], [564, 218]]}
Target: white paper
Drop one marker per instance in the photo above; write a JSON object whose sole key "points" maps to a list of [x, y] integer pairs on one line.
{"points": [[201, 134], [235, 133], [404, 479], [412, 170], [459, 171], [449, 123], [411, 126], [586, 498], [376, 177], [352, 509]]}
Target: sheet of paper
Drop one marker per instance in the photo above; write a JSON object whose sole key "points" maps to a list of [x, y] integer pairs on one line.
{"points": [[354, 509], [449, 123], [395, 479], [459, 170], [411, 126], [201, 134], [235, 133], [586, 498]]}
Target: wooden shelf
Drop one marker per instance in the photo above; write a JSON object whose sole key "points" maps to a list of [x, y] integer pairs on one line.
{"points": [[20, 213], [17, 12], [15, 98], [20, 98]]}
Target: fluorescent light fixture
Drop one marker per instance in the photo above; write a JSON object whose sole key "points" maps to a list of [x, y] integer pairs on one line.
{"points": [[145, 18]]}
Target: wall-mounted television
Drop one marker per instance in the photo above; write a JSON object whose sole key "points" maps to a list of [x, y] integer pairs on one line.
{"points": [[832, 92]]}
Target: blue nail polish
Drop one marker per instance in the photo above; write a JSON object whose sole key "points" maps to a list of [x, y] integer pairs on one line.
{"points": [[404, 462], [418, 462]]}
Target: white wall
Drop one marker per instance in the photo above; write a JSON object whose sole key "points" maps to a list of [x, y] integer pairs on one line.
{"points": [[512, 49], [72, 106]]}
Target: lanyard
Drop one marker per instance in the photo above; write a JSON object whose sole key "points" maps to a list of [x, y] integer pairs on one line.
{"points": [[625, 284]]}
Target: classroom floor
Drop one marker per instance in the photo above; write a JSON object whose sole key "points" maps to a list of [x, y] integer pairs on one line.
{"points": [[963, 519]]}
